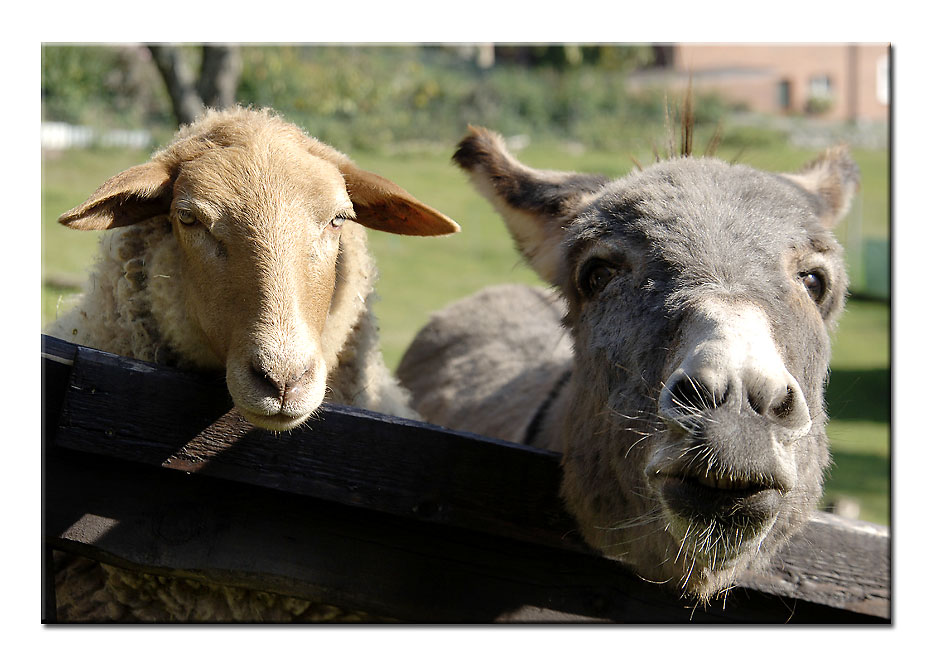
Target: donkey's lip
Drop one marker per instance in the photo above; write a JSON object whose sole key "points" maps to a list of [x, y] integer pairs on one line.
{"points": [[728, 501]]}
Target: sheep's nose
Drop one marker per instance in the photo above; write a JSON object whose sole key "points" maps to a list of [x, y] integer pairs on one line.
{"points": [[287, 386]]}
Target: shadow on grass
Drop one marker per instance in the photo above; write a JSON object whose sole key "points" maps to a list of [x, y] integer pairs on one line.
{"points": [[859, 473], [859, 394], [864, 478]]}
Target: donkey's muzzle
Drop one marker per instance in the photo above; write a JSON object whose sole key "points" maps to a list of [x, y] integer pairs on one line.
{"points": [[737, 505]]}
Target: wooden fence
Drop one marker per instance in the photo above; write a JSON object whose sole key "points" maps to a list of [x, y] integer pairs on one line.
{"points": [[149, 468]]}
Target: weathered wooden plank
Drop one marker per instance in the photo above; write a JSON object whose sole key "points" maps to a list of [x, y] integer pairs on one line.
{"points": [[58, 357], [188, 525], [480, 510], [834, 561], [136, 411]]}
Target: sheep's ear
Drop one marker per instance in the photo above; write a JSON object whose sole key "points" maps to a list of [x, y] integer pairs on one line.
{"points": [[832, 179], [385, 206], [137, 194], [535, 204]]}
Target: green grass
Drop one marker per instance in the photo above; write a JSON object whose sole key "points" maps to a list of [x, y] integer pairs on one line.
{"points": [[67, 180], [420, 275], [858, 399]]}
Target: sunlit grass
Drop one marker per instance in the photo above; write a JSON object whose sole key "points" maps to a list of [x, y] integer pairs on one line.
{"points": [[421, 275]]}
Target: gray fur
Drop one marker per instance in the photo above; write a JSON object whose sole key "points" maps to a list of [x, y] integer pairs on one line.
{"points": [[663, 404]]}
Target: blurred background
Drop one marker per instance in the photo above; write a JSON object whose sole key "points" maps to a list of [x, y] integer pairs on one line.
{"points": [[399, 111]]}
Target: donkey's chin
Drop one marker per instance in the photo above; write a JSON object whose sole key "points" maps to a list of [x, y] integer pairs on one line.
{"points": [[717, 526]]}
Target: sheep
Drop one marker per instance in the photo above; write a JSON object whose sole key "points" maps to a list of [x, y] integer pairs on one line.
{"points": [[240, 248], [678, 363]]}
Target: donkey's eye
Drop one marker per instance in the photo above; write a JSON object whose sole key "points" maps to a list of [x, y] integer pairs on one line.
{"points": [[186, 216], [815, 284], [594, 276]]}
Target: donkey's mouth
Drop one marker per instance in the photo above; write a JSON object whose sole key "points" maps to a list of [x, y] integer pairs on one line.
{"points": [[732, 502]]}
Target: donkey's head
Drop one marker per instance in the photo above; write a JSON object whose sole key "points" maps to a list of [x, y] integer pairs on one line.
{"points": [[700, 298]]}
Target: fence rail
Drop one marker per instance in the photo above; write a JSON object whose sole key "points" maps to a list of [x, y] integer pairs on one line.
{"points": [[63, 136], [150, 468]]}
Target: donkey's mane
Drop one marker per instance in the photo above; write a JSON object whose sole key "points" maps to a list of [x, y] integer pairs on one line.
{"points": [[686, 115]]}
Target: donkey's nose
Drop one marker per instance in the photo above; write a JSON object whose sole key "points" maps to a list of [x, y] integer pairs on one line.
{"points": [[732, 365], [685, 393], [779, 399], [692, 397]]}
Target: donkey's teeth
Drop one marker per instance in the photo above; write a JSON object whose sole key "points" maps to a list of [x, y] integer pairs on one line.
{"points": [[722, 482]]}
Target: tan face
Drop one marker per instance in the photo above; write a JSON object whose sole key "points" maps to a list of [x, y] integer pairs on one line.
{"points": [[258, 251], [257, 209]]}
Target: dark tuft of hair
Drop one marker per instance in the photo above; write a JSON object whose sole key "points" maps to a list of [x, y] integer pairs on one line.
{"points": [[688, 122], [472, 149]]}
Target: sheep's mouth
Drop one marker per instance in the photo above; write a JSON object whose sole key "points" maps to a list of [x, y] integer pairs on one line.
{"points": [[277, 422], [732, 501]]}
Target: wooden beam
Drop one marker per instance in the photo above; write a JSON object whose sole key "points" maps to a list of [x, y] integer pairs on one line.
{"points": [[149, 468]]}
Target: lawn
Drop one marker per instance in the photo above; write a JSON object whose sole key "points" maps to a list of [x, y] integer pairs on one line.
{"points": [[420, 275]]}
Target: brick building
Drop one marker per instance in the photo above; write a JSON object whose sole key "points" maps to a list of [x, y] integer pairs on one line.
{"points": [[835, 81]]}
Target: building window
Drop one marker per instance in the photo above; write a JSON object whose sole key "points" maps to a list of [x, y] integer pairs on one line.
{"points": [[819, 86], [819, 98], [785, 94], [883, 80]]}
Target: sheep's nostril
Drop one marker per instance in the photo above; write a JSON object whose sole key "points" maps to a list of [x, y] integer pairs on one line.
{"points": [[262, 376], [295, 390], [286, 385]]}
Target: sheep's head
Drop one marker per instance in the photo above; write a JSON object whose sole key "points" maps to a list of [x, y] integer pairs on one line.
{"points": [[258, 211]]}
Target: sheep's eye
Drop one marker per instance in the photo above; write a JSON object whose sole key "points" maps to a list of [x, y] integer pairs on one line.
{"points": [[186, 216], [594, 276], [338, 221], [815, 284]]}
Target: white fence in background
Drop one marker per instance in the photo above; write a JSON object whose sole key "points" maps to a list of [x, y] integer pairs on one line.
{"points": [[62, 136]]}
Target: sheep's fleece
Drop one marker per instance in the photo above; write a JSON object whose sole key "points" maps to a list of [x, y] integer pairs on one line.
{"points": [[133, 305]]}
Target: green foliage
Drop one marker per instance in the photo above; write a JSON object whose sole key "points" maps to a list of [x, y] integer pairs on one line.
{"points": [[363, 97], [817, 105], [369, 97], [366, 97], [750, 137], [102, 86]]}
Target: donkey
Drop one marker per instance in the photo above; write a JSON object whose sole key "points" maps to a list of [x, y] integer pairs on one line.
{"points": [[679, 363]]}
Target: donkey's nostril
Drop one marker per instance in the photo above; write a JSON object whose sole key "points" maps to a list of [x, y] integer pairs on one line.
{"points": [[785, 407], [688, 394], [755, 403]]}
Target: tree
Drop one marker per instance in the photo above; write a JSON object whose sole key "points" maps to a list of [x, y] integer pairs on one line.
{"points": [[215, 87]]}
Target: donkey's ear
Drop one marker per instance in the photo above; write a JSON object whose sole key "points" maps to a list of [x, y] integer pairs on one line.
{"points": [[385, 206], [535, 204], [137, 194], [832, 179]]}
